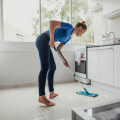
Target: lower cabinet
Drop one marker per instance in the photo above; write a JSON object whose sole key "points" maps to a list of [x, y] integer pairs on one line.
{"points": [[106, 67], [100, 64], [92, 65], [117, 65]]}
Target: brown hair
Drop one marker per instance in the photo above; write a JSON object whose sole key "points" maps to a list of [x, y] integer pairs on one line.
{"points": [[82, 24]]}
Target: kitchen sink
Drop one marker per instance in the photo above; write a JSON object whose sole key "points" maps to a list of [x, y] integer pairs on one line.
{"points": [[111, 41]]}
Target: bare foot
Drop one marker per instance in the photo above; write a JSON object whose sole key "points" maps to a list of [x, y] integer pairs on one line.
{"points": [[52, 95], [45, 101]]}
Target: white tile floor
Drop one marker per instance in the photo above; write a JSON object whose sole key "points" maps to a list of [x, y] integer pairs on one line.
{"points": [[21, 103]]}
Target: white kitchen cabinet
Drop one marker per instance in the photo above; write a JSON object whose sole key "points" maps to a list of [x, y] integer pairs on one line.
{"points": [[117, 65], [109, 6], [93, 64], [105, 67], [100, 64]]}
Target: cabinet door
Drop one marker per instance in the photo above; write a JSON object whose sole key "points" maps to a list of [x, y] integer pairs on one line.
{"points": [[106, 65], [92, 64], [108, 6], [117, 65]]}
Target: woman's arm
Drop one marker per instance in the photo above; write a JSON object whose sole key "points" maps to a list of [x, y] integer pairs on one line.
{"points": [[53, 25], [59, 50], [60, 46]]}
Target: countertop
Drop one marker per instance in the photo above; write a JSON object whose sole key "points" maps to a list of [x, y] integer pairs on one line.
{"points": [[92, 46]]}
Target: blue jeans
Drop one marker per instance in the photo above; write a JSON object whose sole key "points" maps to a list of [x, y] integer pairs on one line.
{"points": [[47, 62]]}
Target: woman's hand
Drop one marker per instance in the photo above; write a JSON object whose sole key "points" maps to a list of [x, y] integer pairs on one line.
{"points": [[52, 44], [66, 64]]}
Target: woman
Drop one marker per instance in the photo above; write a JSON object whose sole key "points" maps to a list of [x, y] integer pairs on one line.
{"points": [[62, 32]]}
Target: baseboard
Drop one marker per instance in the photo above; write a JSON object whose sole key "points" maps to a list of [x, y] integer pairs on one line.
{"points": [[29, 84], [17, 85]]}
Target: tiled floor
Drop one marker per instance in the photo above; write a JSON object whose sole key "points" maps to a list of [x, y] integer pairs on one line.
{"points": [[21, 103]]}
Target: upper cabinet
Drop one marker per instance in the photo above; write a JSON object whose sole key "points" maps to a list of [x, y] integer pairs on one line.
{"points": [[113, 14], [111, 9], [97, 7], [108, 6]]}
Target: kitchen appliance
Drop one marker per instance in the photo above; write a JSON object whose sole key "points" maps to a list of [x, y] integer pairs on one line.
{"points": [[81, 68]]}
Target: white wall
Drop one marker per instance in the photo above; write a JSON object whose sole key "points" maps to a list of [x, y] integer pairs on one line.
{"points": [[10, 32], [97, 21], [101, 24], [1, 20], [19, 63], [98, 27], [111, 24]]}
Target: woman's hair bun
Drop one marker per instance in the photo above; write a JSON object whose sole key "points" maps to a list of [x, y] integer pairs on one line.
{"points": [[83, 22]]}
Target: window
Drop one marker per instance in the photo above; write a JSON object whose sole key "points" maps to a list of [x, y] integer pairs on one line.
{"points": [[80, 12], [19, 20], [23, 20], [57, 10]]}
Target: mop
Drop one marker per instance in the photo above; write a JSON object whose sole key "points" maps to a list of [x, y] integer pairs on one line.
{"points": [[85, 92]]}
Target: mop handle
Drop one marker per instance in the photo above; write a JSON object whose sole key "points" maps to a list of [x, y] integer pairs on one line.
{"points": [[69, 66], [64, 61], [79, 80], [59, 54]]}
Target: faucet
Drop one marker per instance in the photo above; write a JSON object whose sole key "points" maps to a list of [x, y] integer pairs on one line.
{"points": [[112, 33]]}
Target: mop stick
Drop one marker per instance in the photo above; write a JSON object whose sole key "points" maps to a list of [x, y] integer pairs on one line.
{"points": [[70, 69], [79, 80]]}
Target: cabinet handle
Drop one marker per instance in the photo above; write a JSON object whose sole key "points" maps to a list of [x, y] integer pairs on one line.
{"points": [[105, 48], [102, 48]]}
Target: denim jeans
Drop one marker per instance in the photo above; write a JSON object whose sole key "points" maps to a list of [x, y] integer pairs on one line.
{"points": [[47, 62]]}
